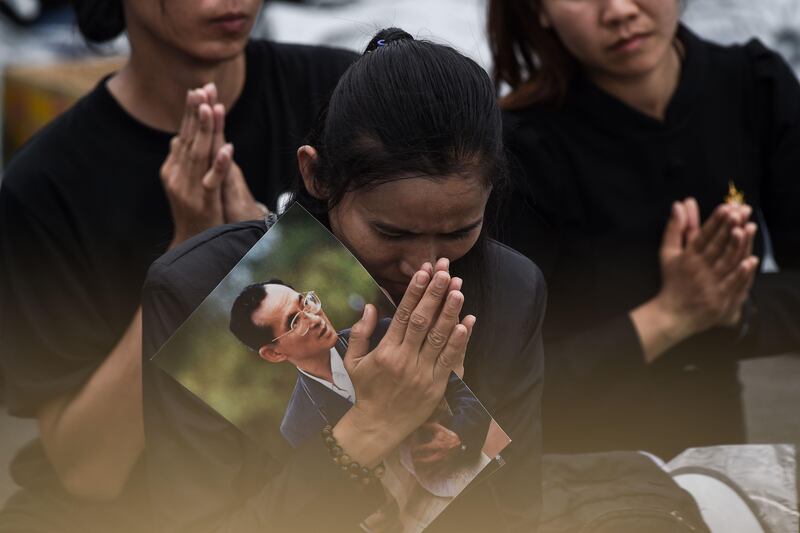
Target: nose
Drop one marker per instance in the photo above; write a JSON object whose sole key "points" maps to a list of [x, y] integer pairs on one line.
{"points": [[416, 256], [618, 12]]}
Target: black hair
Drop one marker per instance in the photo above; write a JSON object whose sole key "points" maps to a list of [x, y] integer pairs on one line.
{"points": [[241, 323], [408, 108], [99, 20]]}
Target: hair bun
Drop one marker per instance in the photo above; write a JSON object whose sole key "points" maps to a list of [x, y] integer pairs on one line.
{"points": [[386, 36], [99, 20]]}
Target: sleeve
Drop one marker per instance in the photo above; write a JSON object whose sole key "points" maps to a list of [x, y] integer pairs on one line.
{"points": [[533, 222], [509, 380], [470, 421], [777, 115], [205, 476], [54, 334]]}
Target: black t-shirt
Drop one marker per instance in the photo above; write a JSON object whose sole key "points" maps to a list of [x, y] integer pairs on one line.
{"points": [[596, 180], [83, 214], [205, 475]]}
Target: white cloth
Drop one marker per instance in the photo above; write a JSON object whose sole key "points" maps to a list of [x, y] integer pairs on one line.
{"points": [[342, 384]]}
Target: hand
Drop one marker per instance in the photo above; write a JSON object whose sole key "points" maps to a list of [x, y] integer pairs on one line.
{"points": [[443, 265], [443, 444], [190, 178], [706, 271], [238, 203], [400, 383]]}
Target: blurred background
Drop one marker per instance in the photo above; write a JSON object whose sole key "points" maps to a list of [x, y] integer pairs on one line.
{"points": [[45, 66]]}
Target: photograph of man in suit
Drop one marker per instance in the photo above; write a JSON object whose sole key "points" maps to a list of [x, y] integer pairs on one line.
{"points": [[284, 325]]}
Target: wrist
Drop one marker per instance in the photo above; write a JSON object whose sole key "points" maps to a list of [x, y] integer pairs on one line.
{"points": [[366, 440], [659, 327]]}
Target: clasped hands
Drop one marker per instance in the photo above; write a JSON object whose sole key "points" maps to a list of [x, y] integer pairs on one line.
{"points": [[204, 185], [707, 270], [400, 383]]}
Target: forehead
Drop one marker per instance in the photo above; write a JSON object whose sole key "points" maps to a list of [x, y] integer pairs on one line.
{"points": [[423, 205], [279, 302]]}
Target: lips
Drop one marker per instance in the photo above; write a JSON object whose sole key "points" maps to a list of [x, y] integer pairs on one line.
{"points": [[629, 44], [231, 22]]}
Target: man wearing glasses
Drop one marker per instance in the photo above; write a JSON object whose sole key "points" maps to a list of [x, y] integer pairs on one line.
{"points": [[281, 324]]}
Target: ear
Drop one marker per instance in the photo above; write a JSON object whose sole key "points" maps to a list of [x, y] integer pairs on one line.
{"points": [[270, 354], [307, 161]]}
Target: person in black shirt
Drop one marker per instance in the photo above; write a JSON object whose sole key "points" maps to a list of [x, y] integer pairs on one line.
{"points": [[627, 130], [83, 213], [399, 168]]}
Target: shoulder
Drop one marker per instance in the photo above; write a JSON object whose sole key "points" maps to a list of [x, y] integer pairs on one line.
{"points": [[514, 279], [741, 62], [192, 269], [53, 149], [304, 57]]}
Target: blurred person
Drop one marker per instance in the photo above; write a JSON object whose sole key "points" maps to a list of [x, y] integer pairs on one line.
{"points": [[643, 156], [399, 167], [135, 167]]}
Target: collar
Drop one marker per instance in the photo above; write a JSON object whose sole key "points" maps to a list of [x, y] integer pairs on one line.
{"points": [[342, 384], [609, 110]]}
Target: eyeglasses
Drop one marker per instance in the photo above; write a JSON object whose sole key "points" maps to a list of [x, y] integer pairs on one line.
{"points": [[301, 321]]}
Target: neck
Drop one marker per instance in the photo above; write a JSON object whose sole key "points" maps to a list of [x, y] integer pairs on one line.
{"points": [[152, 86], [648, 93], [319, 365]]}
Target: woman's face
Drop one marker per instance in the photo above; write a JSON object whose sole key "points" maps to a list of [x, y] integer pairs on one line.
{"points": [[396, 227], [206, 30], [617, 38]]}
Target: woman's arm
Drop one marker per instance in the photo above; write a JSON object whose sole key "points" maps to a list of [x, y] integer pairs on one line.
{"points": [[94, 436]]}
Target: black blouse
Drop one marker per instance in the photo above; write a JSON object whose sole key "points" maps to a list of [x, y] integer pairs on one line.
{"points": [[595, 180]]}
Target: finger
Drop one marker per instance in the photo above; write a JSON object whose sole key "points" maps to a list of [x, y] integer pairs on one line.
{"points": [[745, 211], [360, 333], [439, 334], [200, 151], [730, 256], [739, 278], [452, 357], [672, 240], [750, 230], [426, 449], [219, 127], [427, 267], [455, 284], [442, 265], [211, 93], [426, 311], [715, 246], [219, 169], [190, 117], [692, 219], [711, 227], [430, 459], [416, 288]]}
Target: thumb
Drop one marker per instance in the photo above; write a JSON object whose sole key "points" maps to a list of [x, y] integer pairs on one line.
{"points": [[358, 345], [219, 168], [672, 241]]}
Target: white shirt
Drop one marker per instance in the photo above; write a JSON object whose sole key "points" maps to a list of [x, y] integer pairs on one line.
{"points": [[342, 385]]}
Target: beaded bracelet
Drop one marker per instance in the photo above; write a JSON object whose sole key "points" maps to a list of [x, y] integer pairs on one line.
{"points": [[358, 473]]}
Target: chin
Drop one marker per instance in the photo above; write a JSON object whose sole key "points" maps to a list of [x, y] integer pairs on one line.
{"points": [[219, 50]]}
